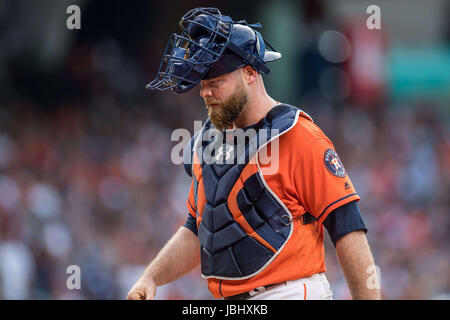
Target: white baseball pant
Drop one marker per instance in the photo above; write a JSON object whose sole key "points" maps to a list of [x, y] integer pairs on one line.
{"points": [[315, 287]]}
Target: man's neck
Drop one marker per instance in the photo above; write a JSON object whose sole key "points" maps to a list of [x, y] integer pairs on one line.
{"points": [[254, 110]]}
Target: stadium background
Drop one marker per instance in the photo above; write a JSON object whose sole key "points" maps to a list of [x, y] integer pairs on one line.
{"points": [[85, 171]]}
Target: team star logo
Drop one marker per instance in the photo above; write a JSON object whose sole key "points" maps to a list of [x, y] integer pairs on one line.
{"points": [[333, 163]]}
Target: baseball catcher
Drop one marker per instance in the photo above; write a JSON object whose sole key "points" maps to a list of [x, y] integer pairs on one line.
{"points": [[265, 178]]}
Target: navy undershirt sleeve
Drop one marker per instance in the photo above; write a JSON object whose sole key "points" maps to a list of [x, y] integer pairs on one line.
{"points": [[344, 220], [191, 224]]}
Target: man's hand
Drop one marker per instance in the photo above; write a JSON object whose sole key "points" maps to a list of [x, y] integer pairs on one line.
{"points": [[143, 289], [166, 267]]}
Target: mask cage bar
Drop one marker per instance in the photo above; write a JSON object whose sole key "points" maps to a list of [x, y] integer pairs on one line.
{"points": [[168, 80]]}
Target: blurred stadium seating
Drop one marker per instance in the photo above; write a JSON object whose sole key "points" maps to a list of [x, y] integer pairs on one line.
{"points": [[85, 171]]}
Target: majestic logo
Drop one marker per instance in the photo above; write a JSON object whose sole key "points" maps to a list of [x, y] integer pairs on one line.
{"points": [[333, 163]]}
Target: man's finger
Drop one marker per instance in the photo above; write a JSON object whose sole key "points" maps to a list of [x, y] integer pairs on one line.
{"points": [[135, 296], [149, 294]]}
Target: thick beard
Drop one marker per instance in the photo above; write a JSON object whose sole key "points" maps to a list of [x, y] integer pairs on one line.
{"points": [[222, 117]]}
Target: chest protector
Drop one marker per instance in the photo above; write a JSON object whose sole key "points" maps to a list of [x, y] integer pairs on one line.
{"points": [[242, 224]]}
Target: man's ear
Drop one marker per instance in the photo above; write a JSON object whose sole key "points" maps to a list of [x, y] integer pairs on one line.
{"points": [[249, 74]]}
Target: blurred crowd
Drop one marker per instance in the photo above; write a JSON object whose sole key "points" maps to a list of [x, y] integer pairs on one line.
{"points": [[399, 161], [95, 187], [86, 176], [88, 187]]}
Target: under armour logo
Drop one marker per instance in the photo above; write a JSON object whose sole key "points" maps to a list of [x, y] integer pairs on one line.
{"points": [[226, 150]]}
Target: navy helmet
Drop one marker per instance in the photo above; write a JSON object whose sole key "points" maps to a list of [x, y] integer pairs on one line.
{"points": [[210, 45]]}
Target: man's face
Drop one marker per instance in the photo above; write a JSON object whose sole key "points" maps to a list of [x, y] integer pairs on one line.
{"points": [[225, 98]]}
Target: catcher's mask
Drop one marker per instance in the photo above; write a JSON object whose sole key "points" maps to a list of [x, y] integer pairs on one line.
{"points": [[210, 45]]}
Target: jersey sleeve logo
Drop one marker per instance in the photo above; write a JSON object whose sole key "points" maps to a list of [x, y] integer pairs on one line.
{"points": [[333, 163]]}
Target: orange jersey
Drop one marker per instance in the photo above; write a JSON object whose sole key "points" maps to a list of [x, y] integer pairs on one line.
{"points": [[310, 179]]}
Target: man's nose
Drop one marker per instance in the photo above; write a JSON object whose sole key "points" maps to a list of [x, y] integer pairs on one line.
{"points": [[205, 92]]}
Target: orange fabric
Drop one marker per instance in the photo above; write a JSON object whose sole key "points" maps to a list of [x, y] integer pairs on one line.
{"points": [[201, 199], [190, 203], [304, 184], [303, 181]]}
